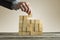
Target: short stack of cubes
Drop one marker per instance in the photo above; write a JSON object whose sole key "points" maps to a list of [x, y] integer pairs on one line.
{"points": [[29, 26]]}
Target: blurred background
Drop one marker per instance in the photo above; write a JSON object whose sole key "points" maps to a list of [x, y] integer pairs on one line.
{"points": [[48, 11]]}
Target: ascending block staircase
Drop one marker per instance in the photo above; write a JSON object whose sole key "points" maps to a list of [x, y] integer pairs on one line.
{"points": [[29, 26]]}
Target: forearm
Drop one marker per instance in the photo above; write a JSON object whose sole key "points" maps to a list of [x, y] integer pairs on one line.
{"points": [[10, 4]]}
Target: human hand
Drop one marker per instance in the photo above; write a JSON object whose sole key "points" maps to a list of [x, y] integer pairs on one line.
{"points": [[24, 7]]}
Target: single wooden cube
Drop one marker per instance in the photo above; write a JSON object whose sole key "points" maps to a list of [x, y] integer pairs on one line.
{"points": [[24, 29], [24, 33], [20, 18], [20, 27], [23, 18], [36, 33], [40, 29], [27, 28], [30, 15], [36, 25]]}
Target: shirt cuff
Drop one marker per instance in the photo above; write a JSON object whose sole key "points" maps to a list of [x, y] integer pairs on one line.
{"points": [[14, 7]]}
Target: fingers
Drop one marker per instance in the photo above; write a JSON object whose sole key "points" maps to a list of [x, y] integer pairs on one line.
{"points": [[25, 7], [22, 8], [28, 8]]}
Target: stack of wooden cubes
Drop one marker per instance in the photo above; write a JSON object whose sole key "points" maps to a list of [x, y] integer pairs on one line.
{"points": [[29, 26]]}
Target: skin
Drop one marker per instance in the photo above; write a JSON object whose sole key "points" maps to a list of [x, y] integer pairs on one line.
{"points": [[24, 7]]}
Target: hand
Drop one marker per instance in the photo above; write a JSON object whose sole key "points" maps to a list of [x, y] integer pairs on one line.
{"points": [[24, 7]]}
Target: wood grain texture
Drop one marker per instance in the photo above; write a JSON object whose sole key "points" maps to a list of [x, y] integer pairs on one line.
{"points": [[33, 26]]}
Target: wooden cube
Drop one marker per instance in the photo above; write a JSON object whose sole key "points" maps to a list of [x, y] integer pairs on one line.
{"points": [[20, 18], [25, 29], [20, 27], [24, 33], [28, 28], [40, 27], [36, 33], [23, 18], [30, 15], [36, 25]]}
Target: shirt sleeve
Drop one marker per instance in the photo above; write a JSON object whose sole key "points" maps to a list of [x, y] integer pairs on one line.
{"points": [[14, 5], [10, 4]]}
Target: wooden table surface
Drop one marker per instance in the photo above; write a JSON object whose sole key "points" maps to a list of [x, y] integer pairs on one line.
{"points": [[44, 36]]}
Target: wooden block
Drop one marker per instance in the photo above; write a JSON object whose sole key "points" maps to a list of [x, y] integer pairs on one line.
{"points": [[25, 23], [30, 15], [36, 25], [24, 29], [24, 33], [30, 21], [23, 18], [20, 27], [37, 33], [28, 28], [20, 24], [31, 30], [40, 27], [24, 26], [20, 18], [31, 24]]}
